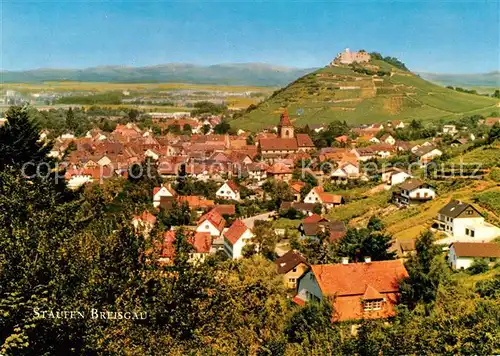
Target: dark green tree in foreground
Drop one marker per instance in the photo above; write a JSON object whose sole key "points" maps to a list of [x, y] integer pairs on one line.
{"points": [[19, 141], [426, 273]]}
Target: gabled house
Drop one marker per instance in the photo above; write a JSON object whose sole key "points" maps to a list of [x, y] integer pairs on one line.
{"points": [[200, 241], [388, 139], [296, 187], [235, 238], [413, 191], [211, 222], [461, 255], [427, 153], [311, 229], [393, 176], [327, 200], [280, 172], [368, 290], [463, 222], [163, 192], [292, 265], [346, 170], [228, 191]]}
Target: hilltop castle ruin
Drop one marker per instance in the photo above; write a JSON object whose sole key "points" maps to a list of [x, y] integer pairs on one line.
{"points": [[348, 57]]}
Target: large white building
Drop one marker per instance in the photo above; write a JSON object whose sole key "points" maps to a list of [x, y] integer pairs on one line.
{"points": [[463, 222], [236, 238]]}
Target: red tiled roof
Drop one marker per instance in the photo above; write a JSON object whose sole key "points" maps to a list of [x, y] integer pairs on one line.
{"points": [[297, 186], [233, 186], [146, 216], [195, 201], [278, 144], [214, 218], [168, 248], [201, 241], [350, 284], [236, 230], [225, 209], [285, 120], [279, 168], [303, 140], [491, 121], [353, 278], [342, 138], [314, 218]]}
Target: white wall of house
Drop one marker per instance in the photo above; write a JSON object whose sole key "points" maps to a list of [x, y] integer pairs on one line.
{"points": [[458, 262], [312, 197], [308, 287], [235, 251], [207, 226], [151, 154], [163, 192], [77, 180], [398, 178], [422, 193], [104, 161], [225, 192]]}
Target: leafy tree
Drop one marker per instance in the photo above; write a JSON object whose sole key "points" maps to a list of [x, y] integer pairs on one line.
{"points": [[314, 317], [205, 129], [496, 94], [176, 215], [494, 133], [479, 265], [426, 273], [222, 128], [264, 240], [489, 288], [375, 223]]}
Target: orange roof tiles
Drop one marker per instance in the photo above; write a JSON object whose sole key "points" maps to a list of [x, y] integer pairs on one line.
{"points": [[236, 230]]}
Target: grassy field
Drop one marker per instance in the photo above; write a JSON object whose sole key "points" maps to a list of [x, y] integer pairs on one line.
{"points": [[104, 87], [486, 156], [339, 93]]}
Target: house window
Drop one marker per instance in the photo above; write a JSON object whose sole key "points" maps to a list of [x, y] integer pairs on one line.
{"points": [[207, 227], [295, 269], [372, 304], [291, 280], [472, 233], [467, 231], [469, 212]]}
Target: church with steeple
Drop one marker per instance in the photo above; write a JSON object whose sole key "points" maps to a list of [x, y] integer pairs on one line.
{"points": [[286, 142]]}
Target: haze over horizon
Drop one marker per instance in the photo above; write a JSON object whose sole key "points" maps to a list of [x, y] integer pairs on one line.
{"points": [[433, 37]]}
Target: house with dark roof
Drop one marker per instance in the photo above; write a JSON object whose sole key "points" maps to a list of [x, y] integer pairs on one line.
{"points": [[368, 290], [461, 255], [463, 222], [236, 238], [413, 191], [311, 227], [292, 265]]}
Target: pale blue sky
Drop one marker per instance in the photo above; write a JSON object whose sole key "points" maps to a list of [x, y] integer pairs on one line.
{"points": [[433, 36]]}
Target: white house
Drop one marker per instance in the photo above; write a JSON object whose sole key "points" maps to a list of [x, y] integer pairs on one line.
{"points": [[464, 223], [229, 191], [427, 153], [387, 138], [461, 255], [211, 222], [160, 192], [346, 170], [236, 238], [394, 176], [327, 200], [413, 191]]}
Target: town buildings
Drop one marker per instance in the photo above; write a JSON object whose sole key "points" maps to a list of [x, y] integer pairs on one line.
{"points": [[462, 255]]}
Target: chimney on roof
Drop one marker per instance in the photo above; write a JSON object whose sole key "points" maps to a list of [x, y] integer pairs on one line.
{"points": [[368, 259], [345, 260]]}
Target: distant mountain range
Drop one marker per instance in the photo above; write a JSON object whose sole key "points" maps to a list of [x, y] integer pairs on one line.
{"points": [[258, 74], [224, 74], [491, 79]]}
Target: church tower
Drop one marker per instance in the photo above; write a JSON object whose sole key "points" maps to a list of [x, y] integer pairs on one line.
{"points": [[285, 128]]}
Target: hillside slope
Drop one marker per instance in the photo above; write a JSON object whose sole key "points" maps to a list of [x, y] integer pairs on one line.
{"points": [[341, 93]]}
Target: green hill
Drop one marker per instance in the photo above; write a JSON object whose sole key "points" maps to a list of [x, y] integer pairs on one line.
{"points": [[346, 93]]}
